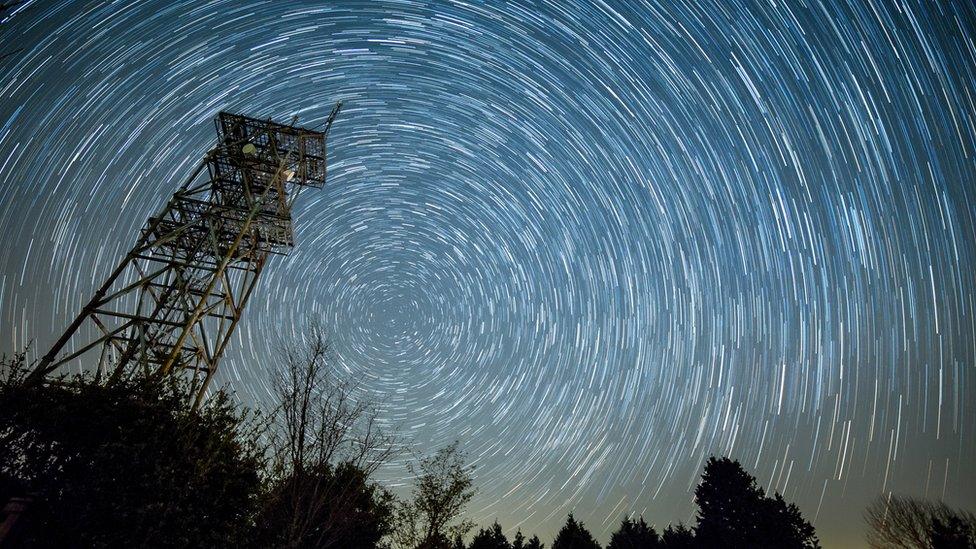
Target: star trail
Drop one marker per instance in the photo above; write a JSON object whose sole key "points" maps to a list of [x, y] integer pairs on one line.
{"points": [[596, 242]]}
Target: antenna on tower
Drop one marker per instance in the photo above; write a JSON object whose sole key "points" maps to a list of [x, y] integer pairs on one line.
{"points": [[332, 117]]}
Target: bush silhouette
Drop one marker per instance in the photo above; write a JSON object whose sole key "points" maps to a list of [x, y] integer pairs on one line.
{"points": [[125, 462]]}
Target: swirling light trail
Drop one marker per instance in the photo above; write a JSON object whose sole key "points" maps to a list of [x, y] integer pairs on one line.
{"points": [[596, 241]]}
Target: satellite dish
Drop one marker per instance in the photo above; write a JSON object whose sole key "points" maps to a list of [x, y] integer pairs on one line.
{"points": [[249, 149]]}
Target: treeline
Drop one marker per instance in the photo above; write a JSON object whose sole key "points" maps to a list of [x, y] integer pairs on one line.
{"points": [[127, 461], [733, 511], [117, 461]]}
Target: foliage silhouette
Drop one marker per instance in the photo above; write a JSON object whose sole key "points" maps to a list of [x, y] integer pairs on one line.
{"points": [[336, 506], [518, 542], [128, 461], [678, 537], [734, 511], [125, 462], [952, 533], [900, 522], [490, 538], [574, 535], [634, 534]]}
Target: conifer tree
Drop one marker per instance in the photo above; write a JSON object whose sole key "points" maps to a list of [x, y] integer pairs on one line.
{"points": [[634, 534], [680, 537], [734, 511], [518, 542], [574, 535], [490, 538]]}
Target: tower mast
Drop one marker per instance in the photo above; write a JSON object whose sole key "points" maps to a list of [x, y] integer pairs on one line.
{"points": [[173, 302]]}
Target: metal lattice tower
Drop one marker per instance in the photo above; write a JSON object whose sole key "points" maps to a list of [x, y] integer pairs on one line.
{"points": [[175, 299]]}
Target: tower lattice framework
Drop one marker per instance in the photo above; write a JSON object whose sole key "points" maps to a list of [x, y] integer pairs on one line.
{"points": [[176, 297]]}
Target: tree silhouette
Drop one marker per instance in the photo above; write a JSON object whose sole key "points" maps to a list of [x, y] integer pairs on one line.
{"points": [[442, 488], [952, 533], [327, 507], [680, 537], [518, 542], [490, 538], [574, 535], [784, 525], [634, 534], [325, 446], [900, 522], [734, 511], [437, 541]]}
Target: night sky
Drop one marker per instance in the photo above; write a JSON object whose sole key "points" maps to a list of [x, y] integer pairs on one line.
{"points": [[597, 242]]}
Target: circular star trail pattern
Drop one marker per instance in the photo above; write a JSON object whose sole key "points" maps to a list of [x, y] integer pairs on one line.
{"points": [[595, 242]]}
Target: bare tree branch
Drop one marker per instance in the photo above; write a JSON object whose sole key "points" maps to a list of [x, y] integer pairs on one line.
{"points": [[326, 446], [898, 522]]}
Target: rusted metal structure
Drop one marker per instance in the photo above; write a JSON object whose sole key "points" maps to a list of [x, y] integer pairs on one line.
{"points": [[174, 300]]}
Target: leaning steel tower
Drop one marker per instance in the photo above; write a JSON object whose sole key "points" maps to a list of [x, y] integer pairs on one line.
{"points": [[174, 300]]}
